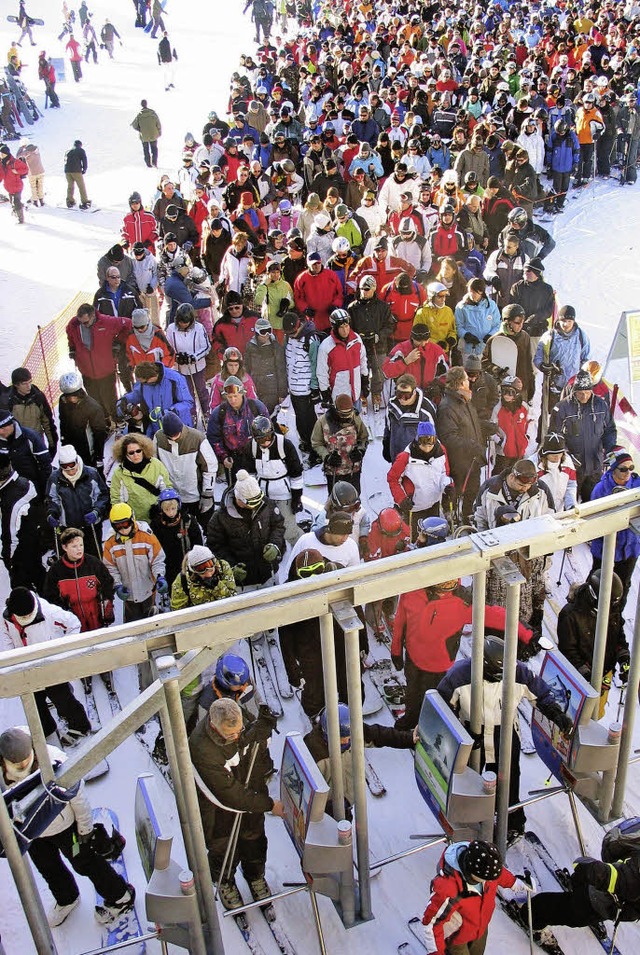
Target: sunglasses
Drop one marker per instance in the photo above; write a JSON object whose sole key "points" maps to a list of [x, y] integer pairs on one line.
{"points": [[69, 467], [132, 451], [235, 306], [625, 470], [311, 569]]}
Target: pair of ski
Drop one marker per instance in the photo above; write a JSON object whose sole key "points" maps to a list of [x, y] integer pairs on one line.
{"points": [[270, 669], [281, 938]]}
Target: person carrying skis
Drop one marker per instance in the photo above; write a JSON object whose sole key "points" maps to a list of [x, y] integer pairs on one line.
{"points": [[222, 747], [463, 898]]}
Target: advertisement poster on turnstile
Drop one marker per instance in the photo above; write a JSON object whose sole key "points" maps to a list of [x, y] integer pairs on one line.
{"points": [[442, 749], [303, 790], [575, 697]]}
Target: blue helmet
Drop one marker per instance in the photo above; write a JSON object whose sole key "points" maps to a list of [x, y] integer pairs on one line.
{"points": [[345, 726], [169, 494], [435, 529], [232, 675]]}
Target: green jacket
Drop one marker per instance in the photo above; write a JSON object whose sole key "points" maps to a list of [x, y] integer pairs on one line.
{"points": [[196, 593], [124, 487], [269, 298], [148, 125]]}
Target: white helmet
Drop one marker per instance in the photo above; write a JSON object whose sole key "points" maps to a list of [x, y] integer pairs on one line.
{"points": [[435, 288], [340, 245], [70, 382]]}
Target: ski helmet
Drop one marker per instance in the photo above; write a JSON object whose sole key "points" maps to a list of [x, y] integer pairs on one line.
{"points": [[593, 586], [407, 226], [344, 497], [233, 386], [509, 312], [447, 210], [262, 428], [471, 180], [390, 522], [70, 382], [169, 494], [511, 382], [367, 282], [309, 563], [338, 317], [589, 99], [185, 314], [435, 529], [344, 720], [232, 676], [121, 516], [198, 275], [435, 288], [560, 127], [231, 354], [480, 861], [341, 245], [518, 217], [493, 659]]}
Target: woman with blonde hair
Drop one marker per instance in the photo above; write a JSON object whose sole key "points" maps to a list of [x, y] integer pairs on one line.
{"points": [[139, 476], [307, 217]]}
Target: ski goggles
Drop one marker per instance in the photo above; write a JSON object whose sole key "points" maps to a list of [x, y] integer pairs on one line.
{"points": [[205, 565], [233, 390], [509, 391], [254, 502], [309, 570], [120, 526], [405, 395]]}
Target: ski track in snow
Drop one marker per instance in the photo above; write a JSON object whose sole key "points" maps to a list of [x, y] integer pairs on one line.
{"points": [[46, 262]]}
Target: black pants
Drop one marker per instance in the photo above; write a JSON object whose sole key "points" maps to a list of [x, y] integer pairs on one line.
{"points": [[561, 182], [47, 853], [517, 819], [251, 848], [91, 48], [563, 908], [472, 478], [103, 390], [603, 155], [353, 479], [67, 707], [304, 410], [77, 70], [624, 569], [418, 682], [150, 151], [585, 167]]}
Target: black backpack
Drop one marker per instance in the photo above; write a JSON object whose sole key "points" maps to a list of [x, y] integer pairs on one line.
{"points": [[622, 841]]}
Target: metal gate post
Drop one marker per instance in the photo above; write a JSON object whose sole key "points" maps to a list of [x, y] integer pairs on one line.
{"points": [[38, 738], [169, 673], [477, 659], [23, 878], [508, 713], [628, 720], [602, 621]]}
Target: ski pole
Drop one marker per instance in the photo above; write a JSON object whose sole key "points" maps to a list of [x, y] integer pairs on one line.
{"points": [[55, 538], [615, 933], [235, 830], [527, 879], [95, 540], [621, 701], [564, 557]]}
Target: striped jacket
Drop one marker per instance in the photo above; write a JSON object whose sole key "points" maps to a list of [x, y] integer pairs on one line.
{"points": [[136, 562]]}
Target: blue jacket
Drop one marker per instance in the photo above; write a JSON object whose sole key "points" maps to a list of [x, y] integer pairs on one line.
{"points": [[71, 502], [367, 132], [481, 319], [178, 292], [363, 162], [169, 393], [627, 542], [29, 456], [439, 157], [589, 430], [565, 151], [568, 351]]}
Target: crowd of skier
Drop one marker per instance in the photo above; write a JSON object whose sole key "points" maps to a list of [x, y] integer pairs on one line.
{"points": [[352, 249]]}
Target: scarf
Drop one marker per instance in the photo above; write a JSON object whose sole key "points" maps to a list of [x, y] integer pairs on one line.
{"points": [[145, 336], [73, 478]]}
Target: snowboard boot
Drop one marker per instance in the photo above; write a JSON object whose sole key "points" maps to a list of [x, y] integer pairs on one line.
{"points": [[71, 203], [230, 895], [111, 913], [85, 205], [70, 737], [59, 913], [110, 847]]}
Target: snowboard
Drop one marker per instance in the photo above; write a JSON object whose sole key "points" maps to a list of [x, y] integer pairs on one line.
{"points": [[127, 927], [503, 353], [63, 205], [33, 21], [97, 772]]}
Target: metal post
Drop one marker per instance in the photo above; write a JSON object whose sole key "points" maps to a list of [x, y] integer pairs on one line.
{"points": [[477, 659], [318, 923], [200, 863], [628, 720], [347, 895], [576, 821], [508, 713], [352, 655], [602, 621], [37, 736], [23, 878]]}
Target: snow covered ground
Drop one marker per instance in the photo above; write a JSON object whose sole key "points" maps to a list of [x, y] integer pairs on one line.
{"points": [[42, 266]]}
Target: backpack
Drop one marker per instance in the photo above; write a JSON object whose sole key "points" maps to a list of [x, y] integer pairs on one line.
{"points": [[622, 841], [33, 804]]}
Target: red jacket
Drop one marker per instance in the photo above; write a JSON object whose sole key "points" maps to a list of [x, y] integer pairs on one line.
{"points": [[140, 227], [227, 332], [450, 901], [424, 624], [97, 361], [321, 292], [513, 425], [11, 172], [385, 545], [403, 307], [432, 362], [198, 212], [383, 272], [395, 218]]}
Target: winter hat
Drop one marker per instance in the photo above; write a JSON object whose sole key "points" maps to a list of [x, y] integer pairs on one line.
{"points": [[480, 860], [67, 454], [535, 265], [314, 257], [21, 602], [426, 430], [135, 197], [344, 404], [4, 150], [199, 555], [420, 332], [19, 375], [246, 487], [138, 248], [567, 311], [340, 522], [553, 443], [233, 298], [619, 457], [296, 242], [139, 317], [307, 559], [525, 469], [15, 745], [116, 253], [171, 424], [246, 198], [472, 363], [583, 382], [322, 220]]}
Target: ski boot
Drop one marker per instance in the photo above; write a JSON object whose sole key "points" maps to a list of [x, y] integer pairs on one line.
{"points": [[259, 889], [111, 913], [230, 895]]}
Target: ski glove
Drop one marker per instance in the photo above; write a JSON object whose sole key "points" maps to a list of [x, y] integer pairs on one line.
{"points": [[261, 729], [405, 507], [149, 290], [296, 499], [92, 517], [333, 459], [496, 283], [562, 720], [623, 665], [122, 592], [108, 616], [591, 872], [523, 885], [451, 341], [364, 385], [356, 455], [398, 660], [271, 553], [471, 339], [53, 521], [239, 573], [449, 495], [161, 585]]}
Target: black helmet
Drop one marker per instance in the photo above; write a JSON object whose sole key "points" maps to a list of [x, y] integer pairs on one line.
{"points": [[518, 216], [185, 314], [480, 860], [261, 428], [512, 311], [493, 659], [593, 585], [560, 127], [344, 496]]}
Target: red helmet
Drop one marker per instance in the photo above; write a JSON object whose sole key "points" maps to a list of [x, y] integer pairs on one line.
{"points": [[390, 522]]}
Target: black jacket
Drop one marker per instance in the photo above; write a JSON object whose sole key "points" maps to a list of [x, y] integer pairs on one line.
{"points": [[537, 299], [460, 431], [75, 160], [175, 540], [370, 317], [29, 456], [70, 502], [577, 632], [103, 303], [239, 536], [83, 424]]}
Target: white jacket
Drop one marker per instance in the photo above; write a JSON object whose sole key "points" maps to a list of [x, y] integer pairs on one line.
{"points": [[50, 623], [194, 341]]}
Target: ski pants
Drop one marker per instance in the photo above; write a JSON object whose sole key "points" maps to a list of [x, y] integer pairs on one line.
{"points": [[103, 390], [563, 908], [76, 179], [77, 70], [251, 848], [585, 167], [15, 198], [37, 186], [561, 182], [150, 151], [46, 853], [91, 49], [68, 708], [418, 682], [304, 410], [477, 947]]}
